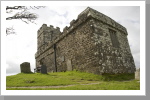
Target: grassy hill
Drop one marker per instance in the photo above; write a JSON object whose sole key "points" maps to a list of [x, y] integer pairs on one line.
{"points": [[71, 80]]}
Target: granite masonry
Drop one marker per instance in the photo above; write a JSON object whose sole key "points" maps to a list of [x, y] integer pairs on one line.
{"points": [[92, 43]]}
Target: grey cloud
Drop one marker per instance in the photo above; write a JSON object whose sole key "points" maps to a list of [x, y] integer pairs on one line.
{"points": [[12, 67]]}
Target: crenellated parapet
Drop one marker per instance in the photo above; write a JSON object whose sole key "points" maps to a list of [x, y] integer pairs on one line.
{"points": [[45, 28], [41, 29], [46, 35]]}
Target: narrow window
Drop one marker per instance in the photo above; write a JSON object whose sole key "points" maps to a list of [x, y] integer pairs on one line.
{"points": [[114, 38]]}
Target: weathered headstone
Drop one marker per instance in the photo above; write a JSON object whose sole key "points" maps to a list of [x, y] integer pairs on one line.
{"points": [[43, 69], [69, 65], [25, 67], [137, 74]]}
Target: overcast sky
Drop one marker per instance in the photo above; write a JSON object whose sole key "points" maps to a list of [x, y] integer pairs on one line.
{"points": [[23, 46]]}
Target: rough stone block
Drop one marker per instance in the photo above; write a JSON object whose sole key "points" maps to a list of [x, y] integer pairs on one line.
{"points": [[71, 23], [137, 74]]}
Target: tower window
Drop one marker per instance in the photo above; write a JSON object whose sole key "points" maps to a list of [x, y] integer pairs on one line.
{"points": [[114, 38]]}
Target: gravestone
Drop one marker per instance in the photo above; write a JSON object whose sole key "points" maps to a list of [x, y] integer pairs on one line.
{"points": [[137, 74], [43, 69], [25, 67], [69, 65]]}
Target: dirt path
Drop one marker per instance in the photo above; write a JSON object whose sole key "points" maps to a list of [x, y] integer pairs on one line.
{"points": [[53, 86]]}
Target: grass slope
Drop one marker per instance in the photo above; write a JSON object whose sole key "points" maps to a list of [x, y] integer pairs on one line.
{"points": [[75, 78]]}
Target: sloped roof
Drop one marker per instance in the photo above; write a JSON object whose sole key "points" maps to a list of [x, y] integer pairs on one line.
{"points": [[103, 18]]}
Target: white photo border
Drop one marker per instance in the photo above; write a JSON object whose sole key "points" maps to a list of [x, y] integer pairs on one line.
{"points": [[142, 90]]}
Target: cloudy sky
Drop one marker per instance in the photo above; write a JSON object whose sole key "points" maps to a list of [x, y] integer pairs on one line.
{"points": [[23, 46]]}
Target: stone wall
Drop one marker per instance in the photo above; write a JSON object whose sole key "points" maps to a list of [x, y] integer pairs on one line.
{"points": [[112, 59], [92, 43], [76, 50]]}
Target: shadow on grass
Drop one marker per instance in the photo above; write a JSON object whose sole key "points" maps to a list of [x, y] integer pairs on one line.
{"points": [[118, 77]]}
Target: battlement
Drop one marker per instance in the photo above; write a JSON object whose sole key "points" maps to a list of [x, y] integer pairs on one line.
{"points": [[46, 35], [45, 28]]}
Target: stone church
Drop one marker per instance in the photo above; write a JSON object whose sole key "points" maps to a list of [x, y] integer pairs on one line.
{"points": [[92, 43]]}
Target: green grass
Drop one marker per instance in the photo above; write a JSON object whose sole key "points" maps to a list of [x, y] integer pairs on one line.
{"points": [[118, 77], [50, 79], [113, 85], [76, 78]]}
